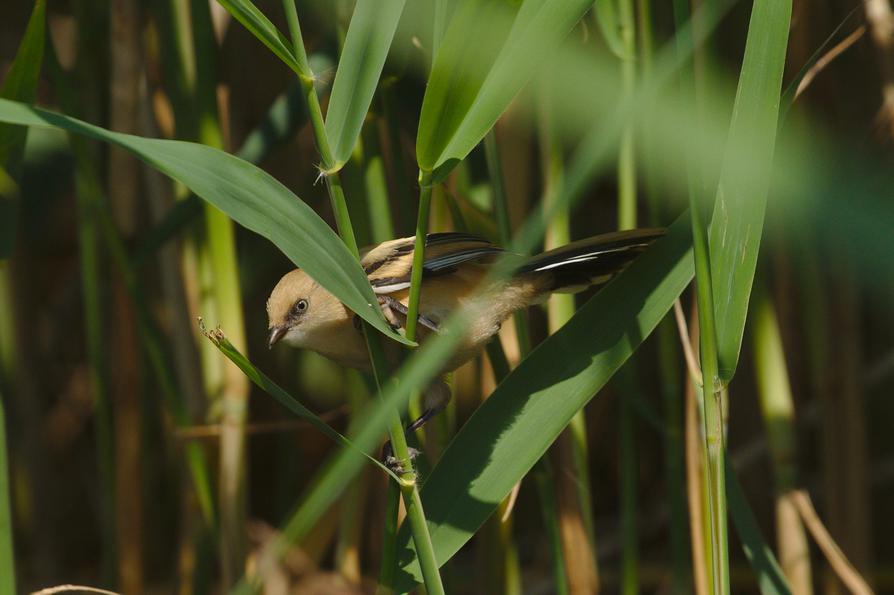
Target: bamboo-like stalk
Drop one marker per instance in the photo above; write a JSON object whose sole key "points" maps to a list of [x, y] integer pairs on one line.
{"points": [[408, 484], [92, 207], [713, 448], [778, 411], [220, 249]]}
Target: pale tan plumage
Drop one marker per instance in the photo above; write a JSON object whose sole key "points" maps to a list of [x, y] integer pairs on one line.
{"points": [[304, 314]]}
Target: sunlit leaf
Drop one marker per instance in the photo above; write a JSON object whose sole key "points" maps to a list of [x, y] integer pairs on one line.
{"points": [[512, 429], [485, 58], [366, 47], [266, 32], [247, 194], [738, 219]]}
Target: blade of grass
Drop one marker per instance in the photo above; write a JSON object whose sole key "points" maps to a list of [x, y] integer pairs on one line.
{"points": [[250, 196], [710, 391], [485, 58], [266, 32], [741, 199], [408, 478], [282, 397], [366, 46], [514, 427], [285, 116], [220, 283]]}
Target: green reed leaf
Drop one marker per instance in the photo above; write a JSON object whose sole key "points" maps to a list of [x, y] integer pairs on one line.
{"points": [[513, 428], [247, 194], [366, 47], [738, 219], [484, 60]]}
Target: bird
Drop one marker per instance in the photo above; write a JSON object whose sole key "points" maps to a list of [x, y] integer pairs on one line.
{"points": [[303, 314]]}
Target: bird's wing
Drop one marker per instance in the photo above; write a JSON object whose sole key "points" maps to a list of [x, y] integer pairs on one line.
{"points": [[389, 264]]}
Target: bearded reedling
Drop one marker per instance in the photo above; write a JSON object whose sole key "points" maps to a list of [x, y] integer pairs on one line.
{"points": [[303, 314]]}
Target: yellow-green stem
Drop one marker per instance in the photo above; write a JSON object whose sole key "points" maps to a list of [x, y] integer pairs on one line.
{"points": [[419, 252], [408, 485], [713, 447]]}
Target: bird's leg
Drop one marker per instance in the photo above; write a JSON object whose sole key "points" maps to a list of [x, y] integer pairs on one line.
{"points": [[392, 307], [434, 400], [394, 463]]}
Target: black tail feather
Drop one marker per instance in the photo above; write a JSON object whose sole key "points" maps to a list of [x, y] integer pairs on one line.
{"points": [[583, 263]]}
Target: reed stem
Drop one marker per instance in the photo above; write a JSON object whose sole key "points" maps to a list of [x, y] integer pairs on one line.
{"points": [[408, 484], [713, 444]]}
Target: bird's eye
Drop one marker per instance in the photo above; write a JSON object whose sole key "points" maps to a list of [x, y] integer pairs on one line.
{"points": [[299, 308]]}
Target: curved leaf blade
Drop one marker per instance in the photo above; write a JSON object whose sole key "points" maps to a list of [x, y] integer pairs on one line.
{"points": [[366, 47], [266, 32], [738, 221], [512, 429], [247, 194], [486, 57]]}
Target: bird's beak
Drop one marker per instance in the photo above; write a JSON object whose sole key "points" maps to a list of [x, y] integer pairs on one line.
{"points": [[276, 333]]}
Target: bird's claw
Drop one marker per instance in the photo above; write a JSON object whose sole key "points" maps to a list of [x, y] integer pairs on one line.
{"points": [[394, 463]]}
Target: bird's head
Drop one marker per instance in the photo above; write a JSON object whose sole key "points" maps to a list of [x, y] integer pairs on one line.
{"points": [[300, 312]]}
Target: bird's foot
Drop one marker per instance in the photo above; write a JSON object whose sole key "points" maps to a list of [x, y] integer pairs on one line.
{"points": [[394, 463]]}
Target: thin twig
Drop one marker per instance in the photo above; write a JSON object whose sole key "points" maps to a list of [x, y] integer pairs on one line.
{"points": [[213, 430], [837, 560], [510, 504], [683, 330], [828, 57], [76, 588]]}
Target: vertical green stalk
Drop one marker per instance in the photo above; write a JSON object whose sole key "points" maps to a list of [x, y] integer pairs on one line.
{"points": [[713, 448], [425, 187], [778, 412], [408, 480], [627, 192], [220, 249], [713, 391]]}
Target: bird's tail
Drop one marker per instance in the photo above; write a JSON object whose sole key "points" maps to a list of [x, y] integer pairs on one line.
{"points": [[592, 261]]}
